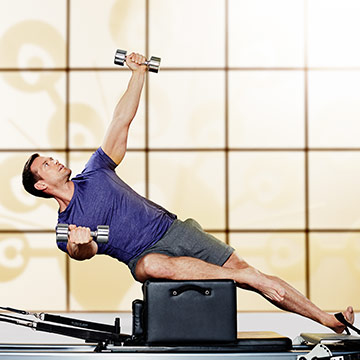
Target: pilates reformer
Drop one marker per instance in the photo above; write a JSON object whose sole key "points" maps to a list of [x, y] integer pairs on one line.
{"points": [[175, 319]]}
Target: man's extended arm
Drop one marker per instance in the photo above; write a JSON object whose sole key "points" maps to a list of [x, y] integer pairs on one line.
{"points": [[116, 137]]}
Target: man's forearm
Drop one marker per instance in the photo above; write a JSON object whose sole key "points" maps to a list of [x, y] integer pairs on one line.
{"points": [[127, 106], [115, 141], [82, 251]]}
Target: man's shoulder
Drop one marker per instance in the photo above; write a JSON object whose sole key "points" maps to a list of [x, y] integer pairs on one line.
{"points": [[89, 174], [99, 160]]}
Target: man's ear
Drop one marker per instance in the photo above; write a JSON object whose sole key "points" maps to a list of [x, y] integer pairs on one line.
{"points": [[40, 185]]}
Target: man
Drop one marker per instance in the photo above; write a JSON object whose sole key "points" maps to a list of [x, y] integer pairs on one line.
{"points": [[148, 238]]}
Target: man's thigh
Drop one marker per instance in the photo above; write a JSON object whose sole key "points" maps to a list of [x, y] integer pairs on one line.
{"points": [[186, 238], [236, 262]]}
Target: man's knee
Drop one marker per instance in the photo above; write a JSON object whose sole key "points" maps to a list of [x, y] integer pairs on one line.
{"points": [[235, 262], [153, 266]]}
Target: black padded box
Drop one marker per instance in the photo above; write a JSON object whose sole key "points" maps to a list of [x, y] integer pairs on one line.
{"points": [[191, 311]]}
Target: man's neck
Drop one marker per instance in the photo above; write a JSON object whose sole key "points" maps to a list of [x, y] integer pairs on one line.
{"points": [[64, 197]]}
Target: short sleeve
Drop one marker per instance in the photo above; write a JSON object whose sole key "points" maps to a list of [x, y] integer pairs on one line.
{"points": [[99, 160]]}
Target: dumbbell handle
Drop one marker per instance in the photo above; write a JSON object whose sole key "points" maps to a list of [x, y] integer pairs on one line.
{"points": [[101, 235]]}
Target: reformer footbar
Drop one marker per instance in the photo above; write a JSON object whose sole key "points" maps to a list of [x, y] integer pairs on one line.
{"points": [[103, 334]]}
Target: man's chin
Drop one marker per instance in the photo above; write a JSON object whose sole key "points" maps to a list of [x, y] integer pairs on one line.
{"points": [[68, 173]]}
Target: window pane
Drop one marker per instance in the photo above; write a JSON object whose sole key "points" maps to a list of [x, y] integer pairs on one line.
{"points": [[98, 28], [32, 272], [187, 109], [115, 289], [266, 109], [330, 45], [33, 115], [334, 108], [334, 190], [23, 24], [281, 255], [266, 190], [94, 96], [191, 185], [334, 269], [18, 209], [266, 33], [187, 33]]}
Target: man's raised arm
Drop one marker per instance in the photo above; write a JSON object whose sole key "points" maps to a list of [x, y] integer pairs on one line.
{"points": [[115, 141]]}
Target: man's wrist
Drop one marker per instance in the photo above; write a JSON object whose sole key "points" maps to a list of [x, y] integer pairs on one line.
{"points": [[140, 70]]}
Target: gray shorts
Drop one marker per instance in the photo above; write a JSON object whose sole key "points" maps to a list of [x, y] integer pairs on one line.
{"points": [[187, 238]]}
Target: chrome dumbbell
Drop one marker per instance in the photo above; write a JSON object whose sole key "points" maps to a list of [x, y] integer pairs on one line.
{"points": [[153, 64], [101, 235]]}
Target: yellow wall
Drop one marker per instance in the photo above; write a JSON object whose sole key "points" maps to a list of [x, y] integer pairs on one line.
{"points": [[251, 127]]}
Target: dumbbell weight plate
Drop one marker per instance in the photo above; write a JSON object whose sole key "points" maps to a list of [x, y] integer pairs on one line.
{"points": [[120, 57], [154, 64], [102, 234], [62, 231]]}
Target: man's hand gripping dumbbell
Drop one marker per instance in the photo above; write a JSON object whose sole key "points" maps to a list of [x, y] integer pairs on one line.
{"points": [[153, 65], [80, 239], [101, 235]]}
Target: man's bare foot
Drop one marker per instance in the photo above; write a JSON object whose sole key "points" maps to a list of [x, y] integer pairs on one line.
{"points": [[337, 326]]}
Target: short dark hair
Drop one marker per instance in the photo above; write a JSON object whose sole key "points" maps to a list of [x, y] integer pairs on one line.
{"points": [[29, 179]]}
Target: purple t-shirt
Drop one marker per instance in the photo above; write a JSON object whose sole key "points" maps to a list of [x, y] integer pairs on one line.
{"points": [[102, 198]]}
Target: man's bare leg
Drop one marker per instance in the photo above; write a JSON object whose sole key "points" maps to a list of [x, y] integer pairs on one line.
{"points": [[297, 303], [183, 268], [277, 291]]}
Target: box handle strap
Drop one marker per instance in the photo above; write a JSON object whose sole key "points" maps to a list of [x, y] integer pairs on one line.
{"points": [[199, 289]]}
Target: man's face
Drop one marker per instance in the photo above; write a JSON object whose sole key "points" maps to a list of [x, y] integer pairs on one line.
{"points": [[51, 172]]}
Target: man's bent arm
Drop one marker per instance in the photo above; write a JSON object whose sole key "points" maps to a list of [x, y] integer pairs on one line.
{"points": [[80, 245], [115, 141], [82, 252]]}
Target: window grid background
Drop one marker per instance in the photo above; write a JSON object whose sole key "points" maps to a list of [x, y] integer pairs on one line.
{"points": [[226, 150]]}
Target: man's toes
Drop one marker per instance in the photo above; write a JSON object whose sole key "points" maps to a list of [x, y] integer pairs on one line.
{"points": [[349, 314]]}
